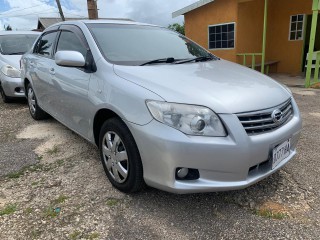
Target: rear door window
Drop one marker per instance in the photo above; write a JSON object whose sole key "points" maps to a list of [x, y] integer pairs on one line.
{"points": [[45, 45]]}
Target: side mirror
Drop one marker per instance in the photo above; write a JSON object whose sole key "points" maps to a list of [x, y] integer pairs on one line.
{"points": [[69, 59]]}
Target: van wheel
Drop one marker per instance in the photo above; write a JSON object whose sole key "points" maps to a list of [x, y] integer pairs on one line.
{"points": [[4, 97], [120, 156], [36, 112]]}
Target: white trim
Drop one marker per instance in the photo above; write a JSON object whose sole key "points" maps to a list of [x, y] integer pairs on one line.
{"points": [[190, 7], [221, 24], [296, 30]]}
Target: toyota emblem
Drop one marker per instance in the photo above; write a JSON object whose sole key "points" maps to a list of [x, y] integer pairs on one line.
{"points": [[277, 116]]}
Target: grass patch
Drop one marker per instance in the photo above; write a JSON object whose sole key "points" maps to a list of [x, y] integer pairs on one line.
{"points": [[33, 168], [75, 235], [53, 150], [112, 202], [93, 236], [39, 158], [267, 213], [28, 210], [40, 167], [16, 174], [59, 200], [9, 209], [35, 183]]}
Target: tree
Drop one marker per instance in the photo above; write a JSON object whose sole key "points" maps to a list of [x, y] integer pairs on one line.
{"points": [[177, 27], [7, 28]]}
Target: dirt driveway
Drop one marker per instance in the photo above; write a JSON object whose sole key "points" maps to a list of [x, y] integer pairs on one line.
{"points": [[52, 186]]}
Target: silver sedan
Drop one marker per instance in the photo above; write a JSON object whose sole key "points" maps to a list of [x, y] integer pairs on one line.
{"points": [[163, 111], [13, 44]]}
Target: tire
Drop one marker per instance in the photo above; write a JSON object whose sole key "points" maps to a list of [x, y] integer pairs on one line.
{"points": [[35, 111], [4, 97], [120, 156]]}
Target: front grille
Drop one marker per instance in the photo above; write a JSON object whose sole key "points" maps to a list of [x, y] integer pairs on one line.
{"points": [[259, 122]]}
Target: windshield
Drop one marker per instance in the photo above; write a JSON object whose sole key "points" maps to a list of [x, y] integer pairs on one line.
{"points": [[136, 44], [16, 44]]}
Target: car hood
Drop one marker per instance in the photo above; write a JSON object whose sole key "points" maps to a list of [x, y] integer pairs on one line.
{"points": [[13, 60], [223, 86]]}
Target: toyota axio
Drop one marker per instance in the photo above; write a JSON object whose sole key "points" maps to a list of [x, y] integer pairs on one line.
{"points": [[163, 111]]}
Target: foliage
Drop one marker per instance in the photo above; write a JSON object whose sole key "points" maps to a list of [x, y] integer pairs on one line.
{"points": [[178, 28], [7, 28]]}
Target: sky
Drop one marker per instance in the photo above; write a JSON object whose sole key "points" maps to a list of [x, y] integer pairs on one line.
{"points": [[24, 14]]}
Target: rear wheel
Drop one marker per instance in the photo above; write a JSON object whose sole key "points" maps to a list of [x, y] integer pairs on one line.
{"points": [[36, 112], [4, 97], [120, 156]]}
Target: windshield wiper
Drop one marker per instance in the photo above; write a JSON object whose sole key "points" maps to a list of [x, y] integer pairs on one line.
{"points": [[197, 59], [16, 53], [161, 60]]}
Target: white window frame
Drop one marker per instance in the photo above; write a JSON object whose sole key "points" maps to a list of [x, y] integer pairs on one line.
{"points": [[296, 30], [221, 24]]}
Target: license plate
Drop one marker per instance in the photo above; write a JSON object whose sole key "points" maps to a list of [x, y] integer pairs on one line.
{"points": [[280, 153]]}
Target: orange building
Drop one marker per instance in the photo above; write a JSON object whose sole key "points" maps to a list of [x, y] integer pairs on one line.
{"points": [[232, 28]]}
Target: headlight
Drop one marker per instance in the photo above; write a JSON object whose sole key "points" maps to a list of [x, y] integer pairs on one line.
{"points": [[10, 71], [189, 119]]}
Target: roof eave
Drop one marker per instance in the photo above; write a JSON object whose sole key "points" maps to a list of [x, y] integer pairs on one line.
{"points": [[191, 7]]}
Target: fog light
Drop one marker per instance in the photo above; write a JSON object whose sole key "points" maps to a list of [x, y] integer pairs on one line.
{"points": [[182, 172], [17, 89], [187, 174]]}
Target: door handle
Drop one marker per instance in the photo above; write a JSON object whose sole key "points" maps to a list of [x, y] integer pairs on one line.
{"points": [[51, 71]]}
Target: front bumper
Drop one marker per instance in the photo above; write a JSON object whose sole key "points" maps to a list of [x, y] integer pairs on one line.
{"points": [[13, 87], [224, 163]]}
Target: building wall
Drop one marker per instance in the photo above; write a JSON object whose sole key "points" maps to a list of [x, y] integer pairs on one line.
{"points": [[289, 53], [197, 22], [250, 28], [248, 15]]}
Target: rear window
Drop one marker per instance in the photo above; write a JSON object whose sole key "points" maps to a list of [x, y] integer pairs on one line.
{"points": [[16, 44]]}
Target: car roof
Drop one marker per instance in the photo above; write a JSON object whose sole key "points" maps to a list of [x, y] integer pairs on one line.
{"points": [[85, 21], [18, 32]]}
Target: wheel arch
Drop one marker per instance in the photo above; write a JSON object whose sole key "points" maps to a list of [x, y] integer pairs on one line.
{"points": [[26, 81], [100, 117]]}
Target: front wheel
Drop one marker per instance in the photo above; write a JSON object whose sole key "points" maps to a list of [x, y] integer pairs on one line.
{"points": [[120, 156], [36, 112]]}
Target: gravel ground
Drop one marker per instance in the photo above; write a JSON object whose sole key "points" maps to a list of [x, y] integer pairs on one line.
{"points": [[52, 186]]}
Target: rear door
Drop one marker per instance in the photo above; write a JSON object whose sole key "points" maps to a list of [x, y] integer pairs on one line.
{"points": [[40, 69]]}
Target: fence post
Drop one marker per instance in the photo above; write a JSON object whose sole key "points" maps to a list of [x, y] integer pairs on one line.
{"points": [[316, 72], [315, 9], [253, 61], [264, 37]]}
